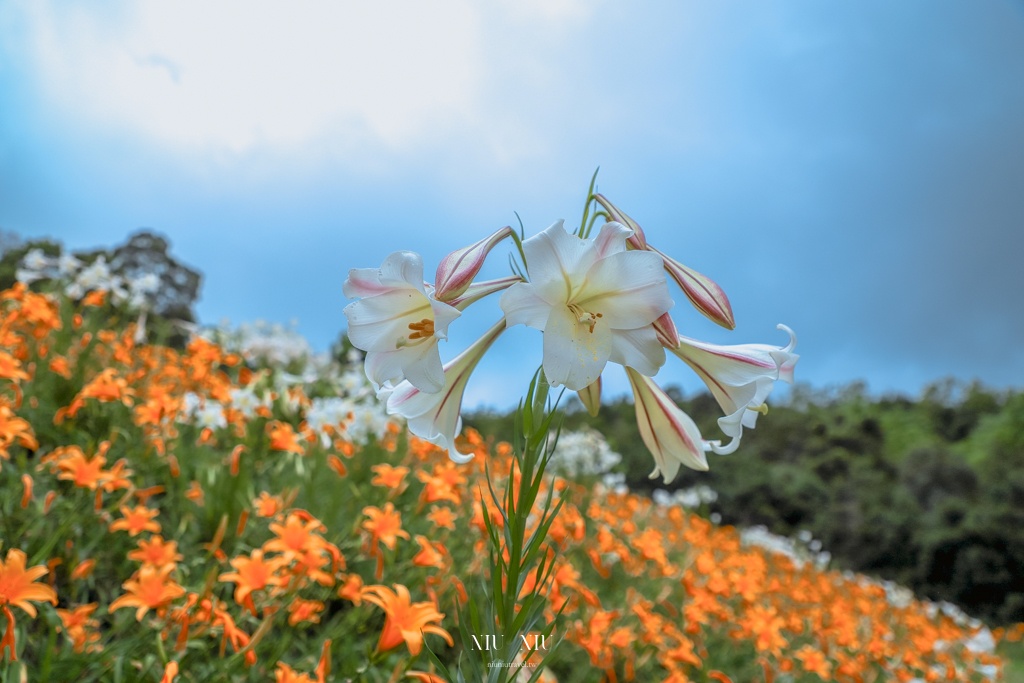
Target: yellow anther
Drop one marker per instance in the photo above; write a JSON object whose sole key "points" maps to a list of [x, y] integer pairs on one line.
{"points": [[763, 408]]}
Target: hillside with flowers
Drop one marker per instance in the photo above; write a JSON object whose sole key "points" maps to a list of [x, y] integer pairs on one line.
{"points": [[235, 507]]}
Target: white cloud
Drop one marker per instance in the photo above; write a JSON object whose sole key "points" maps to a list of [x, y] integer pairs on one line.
{"points": [[234, 75]]}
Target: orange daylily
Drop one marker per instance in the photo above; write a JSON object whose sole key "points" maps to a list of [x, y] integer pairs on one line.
{"points": [[80, 626], [10, 367], [76, 468], [156, 552], [151, 588], [389, 477], [385, 526], [284, 438], [267, 505], [251, 574], [304, 610], [430, 555], [170, 672], [136, 520], [18, 588], [405, 621], [295, 537], [352, 590], [442, 517]]}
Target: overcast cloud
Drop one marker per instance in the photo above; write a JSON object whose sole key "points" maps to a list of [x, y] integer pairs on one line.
{"points": [[854, 170]]}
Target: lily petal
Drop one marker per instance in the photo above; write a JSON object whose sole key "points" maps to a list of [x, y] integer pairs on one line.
{"points": [[669, 434], [639, 349], [436, 417], [522, 306], [628, 288], [397, 323], [575, 353]]}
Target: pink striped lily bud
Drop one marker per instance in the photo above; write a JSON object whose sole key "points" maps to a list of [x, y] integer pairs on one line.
{"points": [[590, 395], [703, 292], [670, 435], [666, 330], [638, 240], [456, 271]]}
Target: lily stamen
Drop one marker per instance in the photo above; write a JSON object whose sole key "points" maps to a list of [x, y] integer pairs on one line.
{"points": [[585, 317], [424, 329]]}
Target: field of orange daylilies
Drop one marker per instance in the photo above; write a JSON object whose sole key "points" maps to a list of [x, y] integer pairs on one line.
{"points": [[202, 514]]}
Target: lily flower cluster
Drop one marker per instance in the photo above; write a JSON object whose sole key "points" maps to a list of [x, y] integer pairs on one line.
{"points": [[597, 300]]}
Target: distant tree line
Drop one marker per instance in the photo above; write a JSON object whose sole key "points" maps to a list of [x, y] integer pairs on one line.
{"points": [[926, 492]]}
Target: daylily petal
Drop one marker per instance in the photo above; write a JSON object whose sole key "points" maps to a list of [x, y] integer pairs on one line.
{"points": [[575, 353]]}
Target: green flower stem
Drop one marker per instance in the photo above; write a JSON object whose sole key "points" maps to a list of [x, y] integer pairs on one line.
{"points": [[502, 611]]}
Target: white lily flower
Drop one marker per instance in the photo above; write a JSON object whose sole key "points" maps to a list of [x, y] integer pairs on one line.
{"points": [[436, 417], [593, 300], [397, 323], [35, 259], [740, 377], [68, 265], [670, 435]]}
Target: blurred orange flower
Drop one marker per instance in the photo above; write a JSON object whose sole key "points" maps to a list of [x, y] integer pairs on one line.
{"points": [[150, 589], [136, 520], [18, 588], [405, 621]]}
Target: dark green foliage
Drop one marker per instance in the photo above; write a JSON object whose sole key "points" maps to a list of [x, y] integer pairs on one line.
{"points": [[927, 492]]}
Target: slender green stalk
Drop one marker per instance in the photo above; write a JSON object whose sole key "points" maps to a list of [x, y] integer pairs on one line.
{"points": [[495, 623]]}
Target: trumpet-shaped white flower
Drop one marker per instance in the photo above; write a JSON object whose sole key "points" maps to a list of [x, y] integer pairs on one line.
{"points": [[397, 323], [593, 300], [436, 417], [740, 378], [669, 434]]}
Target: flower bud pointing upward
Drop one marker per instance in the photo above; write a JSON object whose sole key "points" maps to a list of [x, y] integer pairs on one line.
{"points": [[637, 240], [456, 271]]}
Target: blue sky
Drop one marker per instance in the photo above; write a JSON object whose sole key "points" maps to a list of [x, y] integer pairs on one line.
{"points": [[854, 170]]}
